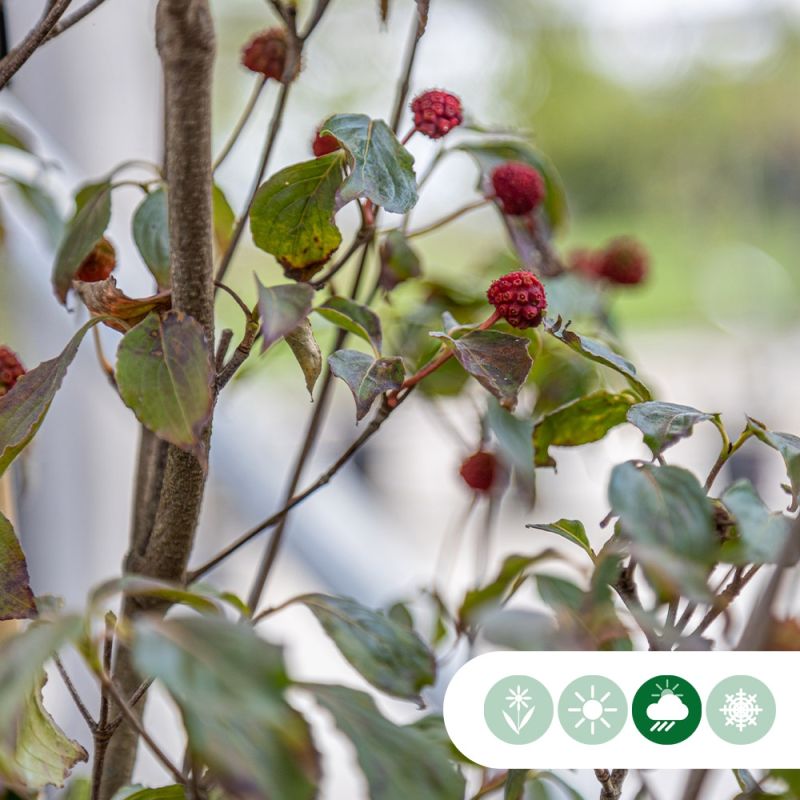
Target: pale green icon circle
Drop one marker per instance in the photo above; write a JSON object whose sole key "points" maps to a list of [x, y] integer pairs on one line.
{"points": [[592, 709], [741, 709], [518, 709]]}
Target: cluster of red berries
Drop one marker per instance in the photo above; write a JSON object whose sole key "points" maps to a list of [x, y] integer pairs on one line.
{"points": [[519, 187], [324, 143], [622, 261], [481, 471], [11, 369], [436, 113], [99, 264], [266, 54], [519, 299]]}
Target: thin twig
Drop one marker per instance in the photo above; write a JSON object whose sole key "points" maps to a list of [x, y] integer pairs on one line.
{"points": [[628, 592], [225, 339], [242, 121], [740, 579], [133, 702], [439, 223], [363, 235], [90, 721], [405, 79], [12, 62], [697, 778], [103, 734], [74, 18], [611, 782]]}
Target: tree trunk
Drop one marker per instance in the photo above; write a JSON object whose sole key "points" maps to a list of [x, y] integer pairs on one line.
{"points": [[171, 482]]}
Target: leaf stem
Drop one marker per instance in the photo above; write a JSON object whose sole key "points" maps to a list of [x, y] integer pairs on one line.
{"points": [[81, 706], [726, 452], [439, 223]]}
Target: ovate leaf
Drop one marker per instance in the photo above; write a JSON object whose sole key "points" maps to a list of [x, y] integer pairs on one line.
{"points": [[381, 169], [83, 232], [292, 215], [229, 686], [663, 424], [282, 309], [41, 755], [42, 204], [597, 351], [389, 655], [762, 536], [499, 361], [584, 420], [16, 597], [399, 261], [23, 409], [664, 507], [122, 313], [366, 377], [151, 234], [788, 445], [572, 530], [165, 375], [354, 318], [306, 350], [514, 437], [224, 218], [399, 762]]}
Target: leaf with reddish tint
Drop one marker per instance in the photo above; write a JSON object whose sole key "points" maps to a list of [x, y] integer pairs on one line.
{"points": [[23, 409], [598, 352], [354, 318], [16, 597], [282, 309], [367, 377], [103, 298], [499, 361], [305, 349], [83, 232], [165, 375]]}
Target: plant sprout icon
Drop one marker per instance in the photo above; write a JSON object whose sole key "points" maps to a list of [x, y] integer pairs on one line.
{"points": [[518, 699], [592, 710], [668, 709]]}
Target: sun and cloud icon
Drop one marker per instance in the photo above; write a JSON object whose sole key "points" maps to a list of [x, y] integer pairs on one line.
{"points": [[667, 710]]}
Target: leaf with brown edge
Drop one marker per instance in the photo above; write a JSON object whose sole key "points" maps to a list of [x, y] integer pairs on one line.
{"points": [[23, 409], [367, 377], [16, 597], [165, 375], [499, 361], [104, 298]]}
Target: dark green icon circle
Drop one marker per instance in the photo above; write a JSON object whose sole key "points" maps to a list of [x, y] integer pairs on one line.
{"points": [[666, 709], [518, 709], [741, 709], [592, 709]]}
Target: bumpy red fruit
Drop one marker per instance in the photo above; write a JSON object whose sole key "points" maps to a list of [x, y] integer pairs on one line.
{"points": [[480, 471], [324, 144], [518, 187], [436, 113], [99, 264], [585, 261], [267, 52], [11, 369], [519, 299], [623, 261]]}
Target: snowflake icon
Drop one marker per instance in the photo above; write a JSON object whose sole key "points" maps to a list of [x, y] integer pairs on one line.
{"points": [[741, 710]]}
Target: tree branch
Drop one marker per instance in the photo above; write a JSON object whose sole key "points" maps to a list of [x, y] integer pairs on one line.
{"points": [[74, 18], [611, 782]]}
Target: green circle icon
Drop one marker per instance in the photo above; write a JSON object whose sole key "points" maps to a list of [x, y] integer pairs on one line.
{"points": [[667, 709], [592, 709], [741, 709], [518, 709]]}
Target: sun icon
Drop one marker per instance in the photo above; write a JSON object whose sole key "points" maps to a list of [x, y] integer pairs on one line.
{"points": [[593, 709]]}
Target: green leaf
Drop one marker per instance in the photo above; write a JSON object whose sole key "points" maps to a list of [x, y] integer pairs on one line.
{"points": [[389, 655], [584, 420], [381, 169], [762, 536], [493, 153], [366, 377], [282, 309], [11, 135], [229, 685], [16, 597], [42, 204], [663, 424], [788, 445], [512, 574], [664, 507], [354, 318], [41, 754], [498, 361], [83, 232], [515, 784], [570, 529], [165, 376], [598, 352], [224, 218], [514, 437], [174, 792], [292, 215], [399, 762], [304, 346], [23, 409], [559, 594], [151, 234], [142, 586], [399, 261]]}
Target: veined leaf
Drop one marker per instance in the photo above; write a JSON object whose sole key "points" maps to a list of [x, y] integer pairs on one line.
{"points": [[16, 597], [122, 313], [282, 308], [367, 377], [572, 530], [788, 445], [663, 424], [354, 318]]}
